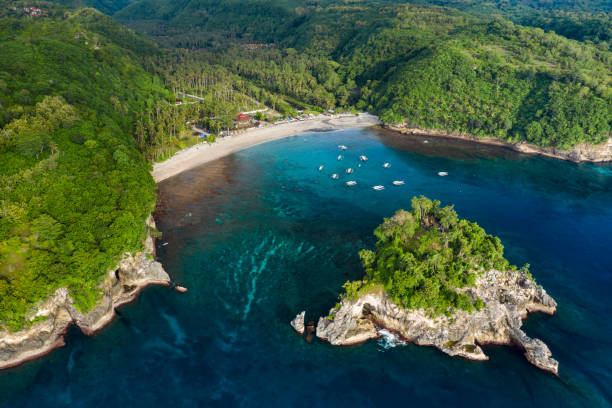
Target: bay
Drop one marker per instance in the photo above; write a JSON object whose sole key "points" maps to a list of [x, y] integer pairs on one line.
{"points": [[262, 234]]}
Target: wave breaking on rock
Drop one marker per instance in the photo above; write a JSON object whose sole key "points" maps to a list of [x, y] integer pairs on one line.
{"points": [[508, 297]]}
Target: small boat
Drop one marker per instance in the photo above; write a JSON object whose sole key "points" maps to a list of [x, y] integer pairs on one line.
{"points": [[351, 183], [334, 176], [386, 165], [398, 183], [349, 170], [342, 147], [320, 167], [425, 141], [340, 157], [164, 244], [442, 173], [378, 188], [363, 158]]}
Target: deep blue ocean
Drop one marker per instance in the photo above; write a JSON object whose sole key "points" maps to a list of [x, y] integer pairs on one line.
{"points": [[261, 235]]}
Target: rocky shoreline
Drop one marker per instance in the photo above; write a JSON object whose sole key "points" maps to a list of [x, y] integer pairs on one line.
{"points": [[582, 152], [133, 273], [508, 297]]}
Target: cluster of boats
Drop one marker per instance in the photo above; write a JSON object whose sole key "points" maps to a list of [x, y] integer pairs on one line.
{"points": [[350, 170], [364, 158]]}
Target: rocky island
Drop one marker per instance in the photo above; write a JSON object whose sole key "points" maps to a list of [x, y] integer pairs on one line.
{"points": [[435, 280], [52, 318]]}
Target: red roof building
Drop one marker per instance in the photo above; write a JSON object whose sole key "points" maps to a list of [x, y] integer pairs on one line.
{"points": [[241, 118]]}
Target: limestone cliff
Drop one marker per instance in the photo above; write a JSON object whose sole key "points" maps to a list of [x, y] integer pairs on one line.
{"points": [[582, 152], [134, 272], [507, 296]]}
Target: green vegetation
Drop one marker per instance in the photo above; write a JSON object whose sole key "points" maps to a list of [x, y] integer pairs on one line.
{"points": [[424, 66], [74, 190], [425, 257], [79, 117], [85, 104]]}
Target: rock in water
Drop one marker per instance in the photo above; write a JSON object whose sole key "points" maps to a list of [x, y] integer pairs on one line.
{"points": [[508, 297], [298, 323]]}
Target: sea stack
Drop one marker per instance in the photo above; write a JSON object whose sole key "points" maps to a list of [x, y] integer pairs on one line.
{"points": [[298, 323]]}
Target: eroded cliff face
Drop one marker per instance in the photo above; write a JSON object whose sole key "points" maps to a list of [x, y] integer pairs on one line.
{"points": [[582, 152], [508, 298], [134, 272]]}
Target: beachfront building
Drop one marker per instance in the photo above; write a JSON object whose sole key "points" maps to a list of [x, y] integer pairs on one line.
{"points": [[242, 121]]}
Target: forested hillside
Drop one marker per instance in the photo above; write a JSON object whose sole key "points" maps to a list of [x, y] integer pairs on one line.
{"points": [[579, 20], [74, 190], [430, 67], [85, 102], [424, 257], [105, 6]]}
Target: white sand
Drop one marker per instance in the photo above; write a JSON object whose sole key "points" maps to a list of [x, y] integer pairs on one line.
{"points": [[203, 153]]}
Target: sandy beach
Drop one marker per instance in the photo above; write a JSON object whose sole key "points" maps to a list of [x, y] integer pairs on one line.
{"points": [[203, 152]]}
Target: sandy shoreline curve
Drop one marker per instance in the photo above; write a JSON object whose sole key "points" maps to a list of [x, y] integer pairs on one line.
{"points": [[202, 153]]}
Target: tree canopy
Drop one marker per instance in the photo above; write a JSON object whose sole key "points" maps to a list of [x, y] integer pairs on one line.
{"points": [[74, 190], [424, 257]]}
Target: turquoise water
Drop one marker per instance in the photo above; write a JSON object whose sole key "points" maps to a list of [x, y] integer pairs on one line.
{"points": [[261, 235]]}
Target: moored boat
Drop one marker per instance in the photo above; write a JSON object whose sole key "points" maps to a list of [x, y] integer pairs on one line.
{"points": [[363, 158], [349, 170], [334, 176], [351, 183], [386, 165], [442, 173], [378, 188], [398, 183]]}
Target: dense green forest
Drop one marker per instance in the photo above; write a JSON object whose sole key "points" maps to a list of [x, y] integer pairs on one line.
{"points": [[74, 189], [105, 6], [424, 66], [86, 104], [578, 20], [424, 257]]}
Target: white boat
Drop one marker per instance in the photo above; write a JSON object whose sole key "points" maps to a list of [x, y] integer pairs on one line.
{"points": [[342, 147], [320, 167], [425, 141], [442, 173], [398, 183], [340, 157], [386, 165], [363, 158], [164, 244], [349, 170], [351, 183], [334, 176], [378, 188]]}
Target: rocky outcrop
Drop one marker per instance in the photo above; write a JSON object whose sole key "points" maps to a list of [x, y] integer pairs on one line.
{"points": [[582, 152], [134, 272], [508, 297], [298, 323]]}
